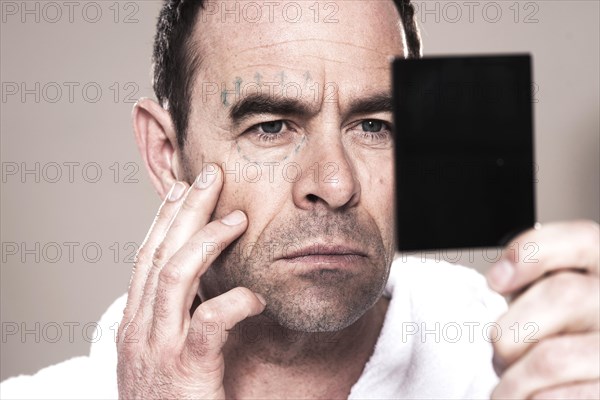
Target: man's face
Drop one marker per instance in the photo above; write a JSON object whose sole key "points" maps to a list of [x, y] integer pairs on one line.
{"points": [[298, 117]]}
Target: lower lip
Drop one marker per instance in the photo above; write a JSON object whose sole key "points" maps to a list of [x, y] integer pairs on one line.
{"points": [[327, 269], [325, 262], [329, 259]]}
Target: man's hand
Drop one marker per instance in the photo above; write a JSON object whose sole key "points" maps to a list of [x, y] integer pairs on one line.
{"points": [[558, 294], [164, 352]]}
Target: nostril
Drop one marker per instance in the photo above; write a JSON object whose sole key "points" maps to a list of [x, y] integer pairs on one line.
{"points": [[312, 198]]}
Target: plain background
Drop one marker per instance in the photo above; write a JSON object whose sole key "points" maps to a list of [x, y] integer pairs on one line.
{"points": [[87, 132]]}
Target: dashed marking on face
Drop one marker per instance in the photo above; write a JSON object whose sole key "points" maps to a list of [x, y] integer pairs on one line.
{"points": [[224, 97], [297, 148], [307, 77], [238, 85]]}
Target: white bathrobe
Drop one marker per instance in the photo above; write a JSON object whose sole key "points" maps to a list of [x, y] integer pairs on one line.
{"points": [[434, 343]]}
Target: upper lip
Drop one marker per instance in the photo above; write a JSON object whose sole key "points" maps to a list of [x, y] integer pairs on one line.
{"points": [[323, 249]]}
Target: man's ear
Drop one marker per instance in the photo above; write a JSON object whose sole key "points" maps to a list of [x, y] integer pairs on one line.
{"points": [[157, 143]]}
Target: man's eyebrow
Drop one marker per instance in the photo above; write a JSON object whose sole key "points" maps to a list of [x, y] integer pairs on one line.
{"points": [[266, 104], [379, 102]]}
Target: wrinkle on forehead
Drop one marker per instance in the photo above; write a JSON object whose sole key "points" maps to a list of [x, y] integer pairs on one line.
{"points": [[381, 65], [307, 58], [292, 41], [372, 28], [322, 49]]}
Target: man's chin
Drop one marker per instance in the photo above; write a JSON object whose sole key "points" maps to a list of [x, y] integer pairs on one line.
{"points": [[319, 308]]}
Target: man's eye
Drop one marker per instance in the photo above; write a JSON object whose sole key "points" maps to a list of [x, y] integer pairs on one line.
{"points": [[373, 132], [271, 132], [271, 127], [372, 125]]}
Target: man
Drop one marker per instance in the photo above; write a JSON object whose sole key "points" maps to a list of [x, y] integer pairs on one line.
{"points": [[272, 147]]}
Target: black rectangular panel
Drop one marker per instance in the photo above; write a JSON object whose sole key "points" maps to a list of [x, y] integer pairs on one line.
{"points": [[464, 151]]}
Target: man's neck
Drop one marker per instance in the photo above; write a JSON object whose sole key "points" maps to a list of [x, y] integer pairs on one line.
{"points": [[268, 361]]}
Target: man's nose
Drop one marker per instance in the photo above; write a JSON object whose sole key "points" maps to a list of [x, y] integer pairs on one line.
{"points": [[328, 175]]}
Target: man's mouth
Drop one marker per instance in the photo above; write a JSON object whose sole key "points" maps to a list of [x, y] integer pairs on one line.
{"points": [[326, 254]]}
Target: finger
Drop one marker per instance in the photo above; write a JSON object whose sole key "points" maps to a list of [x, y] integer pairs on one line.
{"points": [[558, 304], [553, 247], [155, 235], [178, 280], [213, 318], [555, 361], [574, 391], [195, 212]]}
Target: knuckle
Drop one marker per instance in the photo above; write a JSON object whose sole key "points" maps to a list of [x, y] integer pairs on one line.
{"points": [[212, 230], [191, 204], [547, 357], [167, 209], [170, 274], [576, 291], [141, 256], [209, 314], [160, 256], [567, 284], [504, 348]]}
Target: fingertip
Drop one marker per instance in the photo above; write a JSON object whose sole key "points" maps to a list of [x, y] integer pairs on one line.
{"points": [[211, 167], [261, 298], [501, 275], [234, 218], [176, 191], [206, 177]]}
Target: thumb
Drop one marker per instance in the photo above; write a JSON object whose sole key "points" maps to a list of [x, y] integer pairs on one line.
{"points": [[213, 319]]}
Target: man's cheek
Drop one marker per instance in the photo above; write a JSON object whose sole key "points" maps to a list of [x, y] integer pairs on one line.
{"points": [[250, 197], [232, 198], [379, 201]]}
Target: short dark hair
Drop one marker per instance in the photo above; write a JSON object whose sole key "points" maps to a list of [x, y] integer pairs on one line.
{"points": [[175, 66]]}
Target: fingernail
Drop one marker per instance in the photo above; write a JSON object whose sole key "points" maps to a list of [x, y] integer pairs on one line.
{"points": [[501, 274], [206, 177], [261, 299], [235, 218], [176, 191]]}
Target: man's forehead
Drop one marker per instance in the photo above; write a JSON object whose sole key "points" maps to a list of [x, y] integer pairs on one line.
{"points": [[356, 34]]}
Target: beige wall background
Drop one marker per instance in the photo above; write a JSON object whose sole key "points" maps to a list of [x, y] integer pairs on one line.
{"points": [[75, 199]]}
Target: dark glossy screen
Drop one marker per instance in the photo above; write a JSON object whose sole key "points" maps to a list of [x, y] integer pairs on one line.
{"points": [[464, 151]]}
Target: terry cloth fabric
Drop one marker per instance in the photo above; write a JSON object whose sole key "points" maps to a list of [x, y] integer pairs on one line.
{"points": [[433, 343]]}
